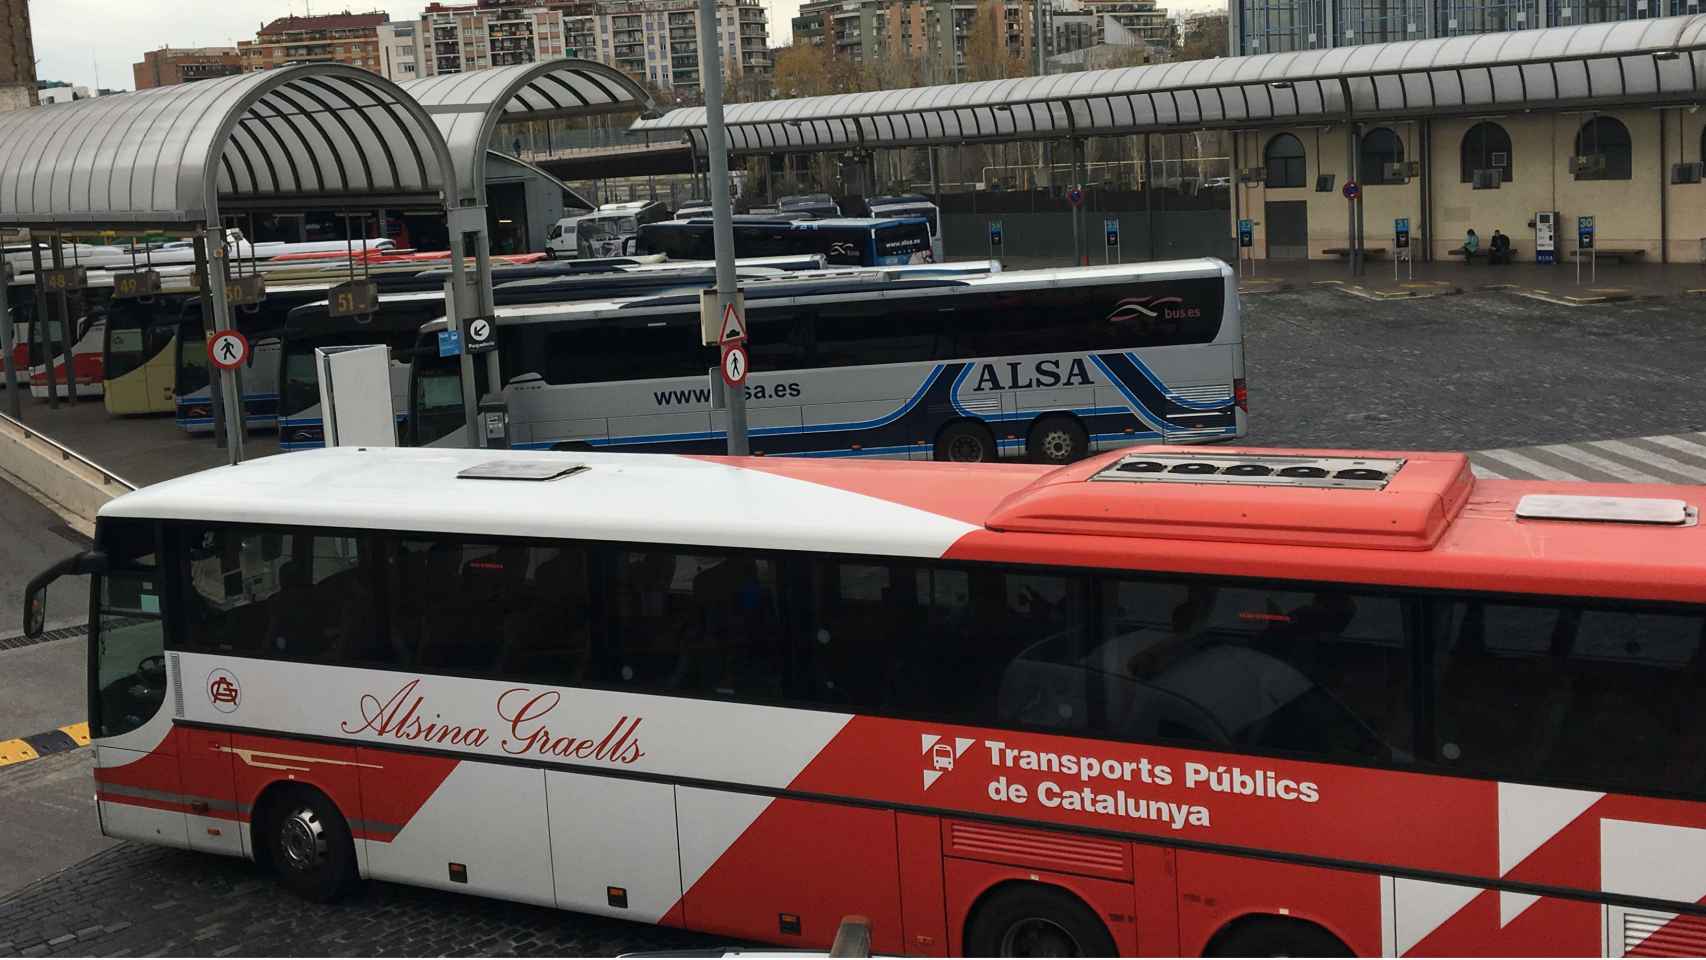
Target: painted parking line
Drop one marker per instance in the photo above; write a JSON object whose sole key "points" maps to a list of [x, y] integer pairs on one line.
{"points": [[1670, 458], [24, 749]]}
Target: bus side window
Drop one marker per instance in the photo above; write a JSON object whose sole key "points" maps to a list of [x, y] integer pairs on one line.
{"points": [[273, 593]]}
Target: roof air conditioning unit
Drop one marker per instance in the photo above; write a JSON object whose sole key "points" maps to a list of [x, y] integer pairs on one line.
{"points": [[1488, 179], [1588, 164], [1253, 174], [1687, 172]]}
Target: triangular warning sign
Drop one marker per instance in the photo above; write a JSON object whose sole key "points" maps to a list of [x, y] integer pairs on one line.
{"points": [[734, 328]]}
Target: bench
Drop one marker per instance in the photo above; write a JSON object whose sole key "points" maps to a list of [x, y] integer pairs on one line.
{"points": [[1620, 254], [1482, 253], [1345, 252]]}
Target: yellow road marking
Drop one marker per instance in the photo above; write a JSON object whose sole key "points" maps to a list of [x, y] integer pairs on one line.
{"points": [[16, 751], [78, 732]]}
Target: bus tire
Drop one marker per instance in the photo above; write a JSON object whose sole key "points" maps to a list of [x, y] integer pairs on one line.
{"points": [[1057, 439], [1263, 936], [1033, 920], [965, 441], [308, 844]]}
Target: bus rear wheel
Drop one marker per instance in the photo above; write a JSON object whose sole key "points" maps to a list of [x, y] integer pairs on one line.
{"points": [[1058, 440], [1031, 920], [965, 442], [309, 845]]}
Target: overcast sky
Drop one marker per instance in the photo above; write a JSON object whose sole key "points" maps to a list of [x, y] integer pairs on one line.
{"points": [[78, 40]]}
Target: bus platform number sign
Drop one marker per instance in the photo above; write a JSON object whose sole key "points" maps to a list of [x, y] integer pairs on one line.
{"points": [[140, 283], [352, 298], [228, 349], [245, 291], [1246, 233], [1352, 190], [1584, 233], [65, 278], [734, 363], [1401, 232], [1111, 229], [480, 336], [1075, 196]]}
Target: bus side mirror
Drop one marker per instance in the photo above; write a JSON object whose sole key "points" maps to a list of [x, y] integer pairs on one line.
{"points": [[35, 595]]}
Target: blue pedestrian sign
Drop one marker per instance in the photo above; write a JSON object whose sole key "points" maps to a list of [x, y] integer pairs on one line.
{"points": [[1401, 232], [1075, 196], [1584, 233], [1246, 233], [995, 233], [449, 343], [1111, 227]]}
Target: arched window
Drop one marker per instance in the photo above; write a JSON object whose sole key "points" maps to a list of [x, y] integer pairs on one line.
{"points": [[1380, 147], [1285, 162], [1486, 146], [1602, 150]]}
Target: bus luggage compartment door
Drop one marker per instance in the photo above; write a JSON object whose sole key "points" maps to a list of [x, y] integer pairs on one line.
{"points": [[204, 764], [613, 847]]}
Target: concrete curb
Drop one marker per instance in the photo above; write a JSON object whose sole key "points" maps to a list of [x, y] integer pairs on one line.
{"points": [[77, 488]]}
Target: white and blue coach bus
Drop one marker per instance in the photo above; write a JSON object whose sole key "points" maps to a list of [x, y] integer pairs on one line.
{"points": [[1049, 363]]}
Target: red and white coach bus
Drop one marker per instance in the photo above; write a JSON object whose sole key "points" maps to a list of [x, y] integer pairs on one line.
{"points": [[1157, 702]]}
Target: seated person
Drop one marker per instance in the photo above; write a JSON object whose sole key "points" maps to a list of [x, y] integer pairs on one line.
{"points": [[1471, 245], [1499, 248]]}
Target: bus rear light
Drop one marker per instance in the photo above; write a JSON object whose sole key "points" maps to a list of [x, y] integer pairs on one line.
{"points": [[458, 873], [788, 923], [616, 897], [1241, 394]]}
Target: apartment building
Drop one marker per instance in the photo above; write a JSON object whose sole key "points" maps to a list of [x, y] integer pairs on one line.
{"points": [[652, 40], [1274, 26], [935, 31], [351, 38], [17, 56], [169, 66]]}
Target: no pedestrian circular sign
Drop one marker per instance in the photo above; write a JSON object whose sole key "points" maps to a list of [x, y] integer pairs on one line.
{"points": [[228, 349], [734, 363], [1352, 189]]}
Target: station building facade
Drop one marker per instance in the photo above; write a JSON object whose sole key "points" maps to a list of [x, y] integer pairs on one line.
{"points": [[1635, 171]]}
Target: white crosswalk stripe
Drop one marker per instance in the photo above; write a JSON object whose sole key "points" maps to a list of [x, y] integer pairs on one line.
{"points": [[1673, 458]]}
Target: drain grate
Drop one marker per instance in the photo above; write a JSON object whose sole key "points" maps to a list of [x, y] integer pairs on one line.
{"points": [[63, 633]]}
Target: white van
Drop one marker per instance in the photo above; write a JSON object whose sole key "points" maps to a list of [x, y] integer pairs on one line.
{"points": [[911, 205], [562, 241]]}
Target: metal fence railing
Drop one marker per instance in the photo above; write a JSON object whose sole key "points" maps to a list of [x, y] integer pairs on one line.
{"points": [[65, 452]]}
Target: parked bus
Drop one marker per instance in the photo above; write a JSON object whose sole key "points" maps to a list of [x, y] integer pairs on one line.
{"points": [[912, 205], [140, 353], [870, 242], [1049, 363], [1230, 702], [398, 321]]}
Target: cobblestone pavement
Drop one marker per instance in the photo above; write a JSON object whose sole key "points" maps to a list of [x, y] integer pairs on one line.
{"points": [[134, 900], [1481, 370]]}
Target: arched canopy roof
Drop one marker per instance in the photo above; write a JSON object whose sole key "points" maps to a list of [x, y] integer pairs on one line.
{"points": [[1602, 64], [468, 106], [313, 133]]}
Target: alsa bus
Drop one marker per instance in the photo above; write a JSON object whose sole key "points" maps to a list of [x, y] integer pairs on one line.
{"points": [[903, 362], [845, 241], [1162, 702]]}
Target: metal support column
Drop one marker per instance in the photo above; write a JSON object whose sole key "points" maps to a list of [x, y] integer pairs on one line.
{"points": [[1352, 241], [229, 383], [8, 343], [44, 324], [1148, 201], [215, 399], [1425, 231], [459, 307], [67, 332], [1664, 191], [722, 229], [487, 306]]}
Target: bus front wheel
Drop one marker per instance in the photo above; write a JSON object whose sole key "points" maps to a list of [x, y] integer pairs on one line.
{"points": [[965, 442], [1032, 920], [309, 845], [1058, 440]]}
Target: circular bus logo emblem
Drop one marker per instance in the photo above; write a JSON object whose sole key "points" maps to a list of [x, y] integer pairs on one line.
{"points": [[222, 690]]}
